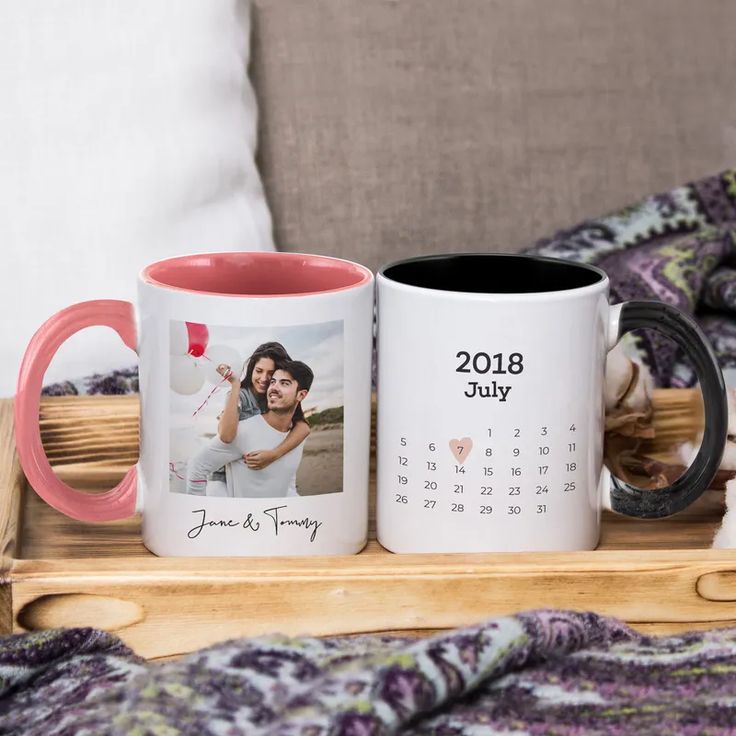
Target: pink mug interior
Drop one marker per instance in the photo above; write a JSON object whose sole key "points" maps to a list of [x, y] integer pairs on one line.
{"points": [[256, 274]]}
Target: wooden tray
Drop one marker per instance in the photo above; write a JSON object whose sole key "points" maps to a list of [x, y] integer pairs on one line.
{"points": [[660, 576]]}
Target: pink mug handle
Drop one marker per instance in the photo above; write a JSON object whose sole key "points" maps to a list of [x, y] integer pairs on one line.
{"points": [[117, 503]]}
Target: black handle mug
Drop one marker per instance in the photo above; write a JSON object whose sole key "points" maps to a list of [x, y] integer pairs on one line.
{"points": [[491, 404], [682, 329]]}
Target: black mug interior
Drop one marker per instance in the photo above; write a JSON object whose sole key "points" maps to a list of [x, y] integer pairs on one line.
{"points": [[492, 273]]}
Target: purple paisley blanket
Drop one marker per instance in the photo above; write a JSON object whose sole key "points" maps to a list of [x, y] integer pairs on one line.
{"points": [[537, 673], [678, 247]]}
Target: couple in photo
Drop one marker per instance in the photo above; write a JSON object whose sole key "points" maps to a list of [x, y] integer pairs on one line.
{"points": [[260, 433]]}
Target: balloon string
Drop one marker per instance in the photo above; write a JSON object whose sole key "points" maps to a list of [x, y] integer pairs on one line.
{"points": [[172, 469], [211, 394], [217, 386]]}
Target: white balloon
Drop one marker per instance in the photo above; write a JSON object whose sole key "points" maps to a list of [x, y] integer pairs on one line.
{"points": [[186, 376], [178, 338], [217, 354]]}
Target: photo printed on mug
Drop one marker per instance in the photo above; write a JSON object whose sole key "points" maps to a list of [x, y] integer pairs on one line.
{"points": [[256, 412]]}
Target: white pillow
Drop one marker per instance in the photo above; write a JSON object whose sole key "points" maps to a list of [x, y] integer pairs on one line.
{"points": [[127, 134]]}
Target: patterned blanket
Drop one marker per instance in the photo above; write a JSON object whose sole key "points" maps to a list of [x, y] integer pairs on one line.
{"points": [[678, 247], [536, 673]]}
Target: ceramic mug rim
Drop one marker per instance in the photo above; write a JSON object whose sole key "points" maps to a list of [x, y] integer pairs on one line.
{"points": [[337, 274], [600, 284]]}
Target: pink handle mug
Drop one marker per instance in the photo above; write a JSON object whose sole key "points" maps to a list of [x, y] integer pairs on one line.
{"points": [[255, 385]]}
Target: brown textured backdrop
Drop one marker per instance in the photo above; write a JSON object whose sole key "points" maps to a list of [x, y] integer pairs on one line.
{"points": [[394, 127]]}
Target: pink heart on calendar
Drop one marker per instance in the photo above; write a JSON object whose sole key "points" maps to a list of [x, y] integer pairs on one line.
{"points": [[461, 448]]}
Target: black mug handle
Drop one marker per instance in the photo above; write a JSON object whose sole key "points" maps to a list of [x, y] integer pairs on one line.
{"points": [[680, 327]]}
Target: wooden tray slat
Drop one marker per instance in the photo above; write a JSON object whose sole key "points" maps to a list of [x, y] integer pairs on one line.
{"points": [[660, 576], [12, 484]]}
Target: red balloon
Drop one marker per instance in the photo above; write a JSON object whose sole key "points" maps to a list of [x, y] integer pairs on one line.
{"points": [[199, 336]]}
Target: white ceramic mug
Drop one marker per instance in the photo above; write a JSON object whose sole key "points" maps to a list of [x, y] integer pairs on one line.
{"points": [[491, 410], [232, 347]]}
